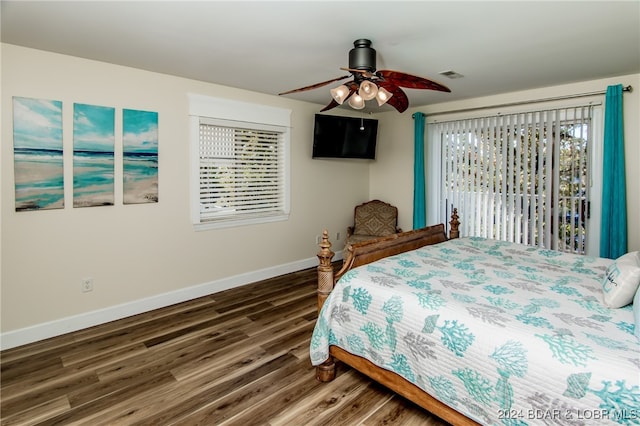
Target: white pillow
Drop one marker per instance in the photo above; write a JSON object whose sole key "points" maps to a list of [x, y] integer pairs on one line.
{"points": [[636, 313], [621, 280]]}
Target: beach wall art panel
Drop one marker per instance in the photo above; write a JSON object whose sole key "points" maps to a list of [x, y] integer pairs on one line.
{"points": [[37, 153], [140, 156], [93, 155]]}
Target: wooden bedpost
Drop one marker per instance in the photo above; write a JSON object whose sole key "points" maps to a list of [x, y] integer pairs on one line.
{"points": [[454, 232], [325, 270], [326, 371]]}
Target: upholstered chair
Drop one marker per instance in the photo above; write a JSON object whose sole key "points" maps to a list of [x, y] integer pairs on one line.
{"points": [[373, 219]]}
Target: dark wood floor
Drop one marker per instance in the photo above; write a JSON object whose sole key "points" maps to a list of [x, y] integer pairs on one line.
{"points": [[236, 357]]}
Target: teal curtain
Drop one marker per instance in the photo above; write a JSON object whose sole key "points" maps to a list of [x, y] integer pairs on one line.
{"points": [[613, 228], [419, 203]]}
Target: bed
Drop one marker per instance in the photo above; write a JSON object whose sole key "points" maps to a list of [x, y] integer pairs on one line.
{"points": [[479, 331]]}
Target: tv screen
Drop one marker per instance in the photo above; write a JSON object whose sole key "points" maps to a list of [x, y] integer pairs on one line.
{"points": [[344, 137]]}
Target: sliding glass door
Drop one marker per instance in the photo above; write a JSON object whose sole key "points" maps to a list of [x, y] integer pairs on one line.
{"points": [[523, 177]]}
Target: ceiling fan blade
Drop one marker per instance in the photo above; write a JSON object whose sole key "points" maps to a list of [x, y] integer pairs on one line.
{"points": [[399, 99], [411, 81], [314, 86], [331, 105], [366, 73]]}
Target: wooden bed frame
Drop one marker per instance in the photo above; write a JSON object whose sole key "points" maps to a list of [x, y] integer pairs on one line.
{"points": [[362, 254]]}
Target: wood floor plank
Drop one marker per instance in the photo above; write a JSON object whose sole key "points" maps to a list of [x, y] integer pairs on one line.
{"points": [[87, 412], [237, 357], [202, 399], [33, 349], [102, 359], [279, 402], [145, 331], [402, 412], [36, 414], [212, 366], [169, 356], [18, 368], [204, 330], [292, 340], [143, 320], [368, 400], [61, 386], [245, 397], [172, 396], [279, 312], [325, 401]]}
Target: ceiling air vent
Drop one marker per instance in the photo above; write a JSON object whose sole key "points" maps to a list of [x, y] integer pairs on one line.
{"points": [[451, 74]]}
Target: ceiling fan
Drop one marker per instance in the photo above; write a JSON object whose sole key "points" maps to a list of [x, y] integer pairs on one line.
{"points": [[369, 83]]}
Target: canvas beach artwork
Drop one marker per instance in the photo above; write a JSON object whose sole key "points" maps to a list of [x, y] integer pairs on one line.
{"points": [[37, 151], [140, 156], [93, 155]]}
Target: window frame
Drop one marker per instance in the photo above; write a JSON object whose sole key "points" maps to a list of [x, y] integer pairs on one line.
{"points": [[433, 156], [244, 115]]}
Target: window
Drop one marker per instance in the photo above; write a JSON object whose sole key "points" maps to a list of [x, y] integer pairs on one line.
{"points": [[240, 168], [522, 177]]}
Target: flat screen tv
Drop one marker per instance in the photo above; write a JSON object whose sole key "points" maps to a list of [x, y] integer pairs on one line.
{"points": [[344, 137]]}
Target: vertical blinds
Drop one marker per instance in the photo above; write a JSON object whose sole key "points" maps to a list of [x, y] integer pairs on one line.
{"points": [[241, 172], [521, 177]]}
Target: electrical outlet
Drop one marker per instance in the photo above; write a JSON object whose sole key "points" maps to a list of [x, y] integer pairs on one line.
{"points": [[318, 239], [337, 236], [86, 285]]}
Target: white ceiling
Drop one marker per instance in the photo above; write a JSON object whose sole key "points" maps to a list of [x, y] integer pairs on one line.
{"points": [[274, 46]]}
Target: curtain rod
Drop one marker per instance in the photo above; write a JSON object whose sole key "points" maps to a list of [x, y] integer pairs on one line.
{"points": [[557, 98]]}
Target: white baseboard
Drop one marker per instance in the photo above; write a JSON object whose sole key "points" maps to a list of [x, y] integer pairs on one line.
{"points": [[61, 326]]}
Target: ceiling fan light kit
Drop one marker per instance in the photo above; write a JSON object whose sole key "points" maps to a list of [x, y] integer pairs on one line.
{"points": [[340, 93], [356, 101], [368, 90], [383, 96], [367, 84]]}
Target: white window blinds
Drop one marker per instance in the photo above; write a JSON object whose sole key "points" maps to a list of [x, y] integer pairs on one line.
{"points": [[521, 177], [241, 171]]}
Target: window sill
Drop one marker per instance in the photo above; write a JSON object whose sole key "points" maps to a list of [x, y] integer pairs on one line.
{"points": [[233, 222]]}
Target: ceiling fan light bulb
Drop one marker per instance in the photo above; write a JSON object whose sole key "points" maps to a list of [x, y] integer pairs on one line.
{"points": [[383, 96], [368, 90], [340, 93], [356, 101]]}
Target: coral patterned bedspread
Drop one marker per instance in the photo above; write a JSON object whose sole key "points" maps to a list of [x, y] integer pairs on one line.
{"points": [[506, 334]]}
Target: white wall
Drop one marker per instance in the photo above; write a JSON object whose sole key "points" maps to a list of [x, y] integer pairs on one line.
{"points": [[394, 169], [148, 254]]}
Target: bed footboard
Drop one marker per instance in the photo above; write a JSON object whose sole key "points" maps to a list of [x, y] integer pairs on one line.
{"points": [[362, 254], [366, 252]]}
